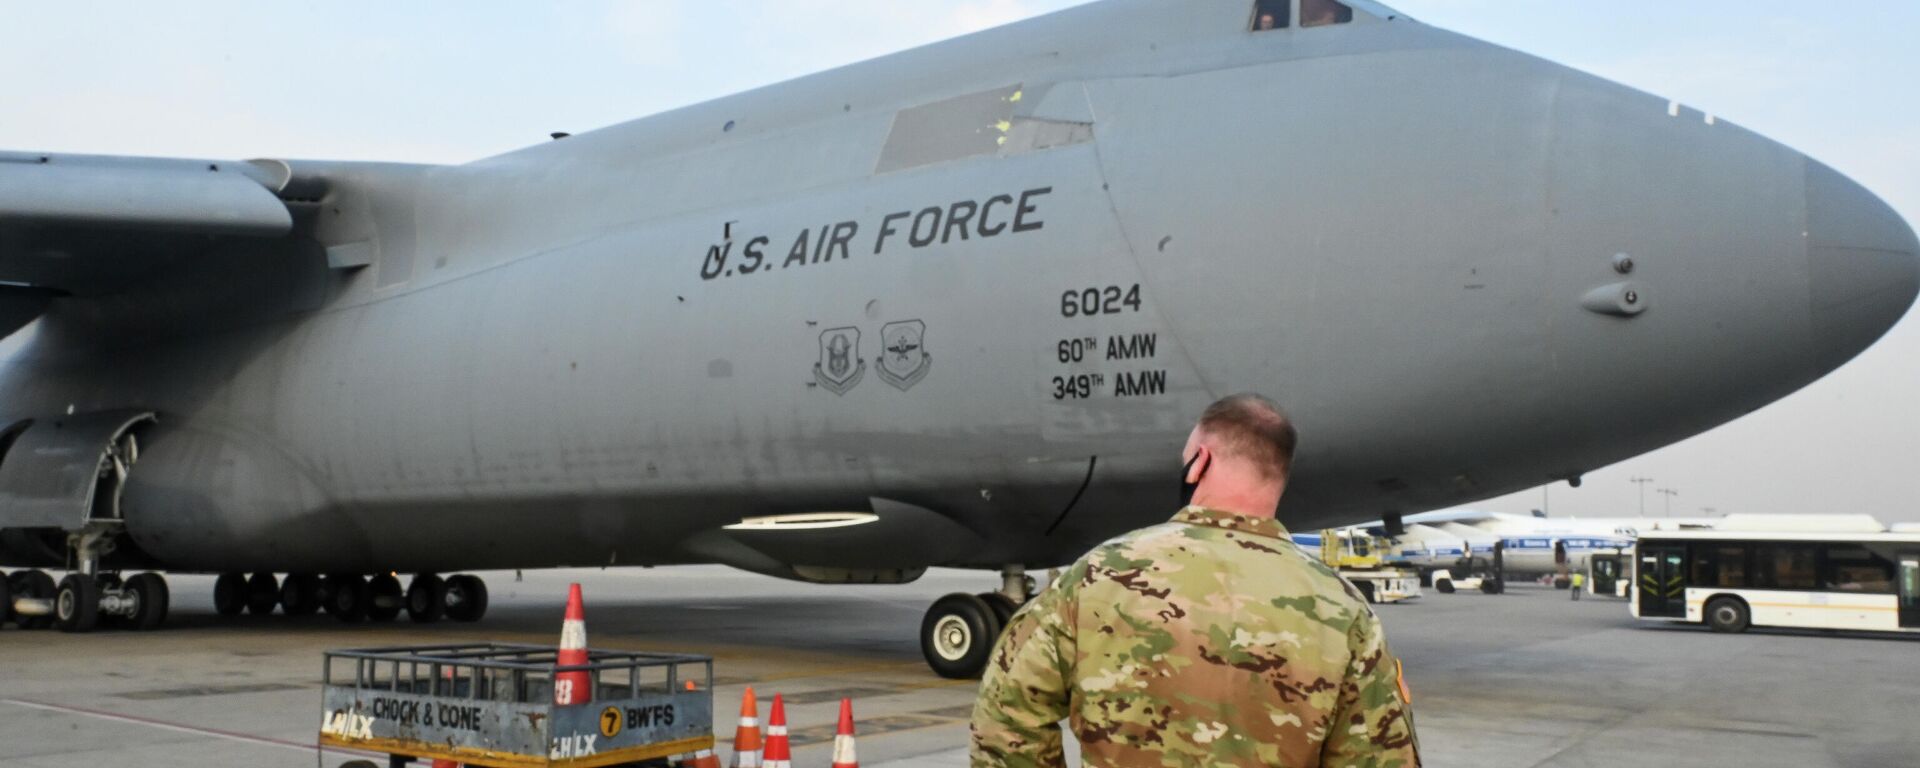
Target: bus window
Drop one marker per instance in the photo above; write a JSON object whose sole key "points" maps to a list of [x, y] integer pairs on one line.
{"points": [[1784, 566], [1269, 15], [1717, 564], [1851, 568], [1319, 13]]}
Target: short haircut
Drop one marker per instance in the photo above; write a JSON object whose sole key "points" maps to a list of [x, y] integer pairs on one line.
{"points": [[1253, 428]]}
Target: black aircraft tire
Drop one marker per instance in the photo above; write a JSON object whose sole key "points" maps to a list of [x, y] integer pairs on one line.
{"points": [[427, 599], [1728, 614], [263, 594], [230, 594], [150, 590], [957, 636], [1003, 608], [466, 598], [300, 594], [34, 584], [6, 602], [76, 607], [385, 600], [347, 597]]}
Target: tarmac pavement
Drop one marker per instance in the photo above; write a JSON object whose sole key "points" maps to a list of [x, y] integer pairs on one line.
{"points": [[1524, 679]]}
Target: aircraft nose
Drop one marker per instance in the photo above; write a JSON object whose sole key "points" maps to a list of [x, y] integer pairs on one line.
{"points": [[1863, 265]]}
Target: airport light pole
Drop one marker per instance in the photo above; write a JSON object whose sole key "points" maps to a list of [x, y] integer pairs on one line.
{"points": [[1642, 482], [1669, 493]]}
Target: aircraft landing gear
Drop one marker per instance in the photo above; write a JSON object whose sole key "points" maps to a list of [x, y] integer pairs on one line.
{"points": [[427, 599], [466, 598], [31, 604], [958, 633], [87, 598]]}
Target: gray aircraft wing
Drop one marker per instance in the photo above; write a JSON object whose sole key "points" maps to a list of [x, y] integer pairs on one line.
{"points": [[90, 224]]}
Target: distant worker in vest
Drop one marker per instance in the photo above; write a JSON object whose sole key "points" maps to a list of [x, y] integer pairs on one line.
{"points": [[1208, 640], [1579, 580]]}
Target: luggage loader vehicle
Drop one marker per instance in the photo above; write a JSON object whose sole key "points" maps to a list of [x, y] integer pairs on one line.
{"points": [[493, 705]]}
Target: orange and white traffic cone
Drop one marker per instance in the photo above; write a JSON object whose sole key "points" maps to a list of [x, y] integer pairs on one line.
{"points": [[779, 749], [571, 688], [843, 752], [746, 738]]}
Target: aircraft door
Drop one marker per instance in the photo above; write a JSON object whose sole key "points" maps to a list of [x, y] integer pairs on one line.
{"points": [[1662, 584], [1910, 590]]}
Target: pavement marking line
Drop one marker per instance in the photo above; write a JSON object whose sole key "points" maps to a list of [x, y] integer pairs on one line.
{"points": [[178, 728], [848, 669], [208, 690], [836, 694]]}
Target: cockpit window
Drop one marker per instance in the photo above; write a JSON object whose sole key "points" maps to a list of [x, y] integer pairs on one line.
{"points": [[1319, 13], [1269, 15]]}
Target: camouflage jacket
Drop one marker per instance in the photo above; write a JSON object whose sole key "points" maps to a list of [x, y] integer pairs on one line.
{"points": [[1209, 640]]}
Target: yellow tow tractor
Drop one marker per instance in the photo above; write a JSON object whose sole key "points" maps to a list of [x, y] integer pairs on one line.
{"points": [[1356, 556]]}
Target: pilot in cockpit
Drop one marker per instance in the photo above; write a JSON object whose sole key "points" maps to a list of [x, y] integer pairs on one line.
{"points": [[1319, 13], [1269, 15]]}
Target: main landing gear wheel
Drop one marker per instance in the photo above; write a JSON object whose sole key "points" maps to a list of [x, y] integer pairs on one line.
{"points": [[466, 598], [384, 598], [36, 585], [957, 635], [1003, 608], [77, 606], [263, 594], [230, 594], [347, 597], [300, 594], [151, 600], [427, 599]]}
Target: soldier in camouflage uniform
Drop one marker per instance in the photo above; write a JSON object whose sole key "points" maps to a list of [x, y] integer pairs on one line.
{"points": [[1206, 641]]}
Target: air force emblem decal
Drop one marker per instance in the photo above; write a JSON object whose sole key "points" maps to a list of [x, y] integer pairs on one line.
{"points": [[840, 366], [903, 359]]}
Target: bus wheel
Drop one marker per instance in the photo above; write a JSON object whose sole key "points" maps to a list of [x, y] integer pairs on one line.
{"points": [[1727, 614]]}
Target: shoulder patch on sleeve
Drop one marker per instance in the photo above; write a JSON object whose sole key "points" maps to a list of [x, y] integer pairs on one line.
{"points": [[1400, 679]]}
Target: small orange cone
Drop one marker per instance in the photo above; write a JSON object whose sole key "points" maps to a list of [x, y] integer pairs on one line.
{"points": [[843, 752], [779, 750], [702, 759], [571, 688], [746, 738]]}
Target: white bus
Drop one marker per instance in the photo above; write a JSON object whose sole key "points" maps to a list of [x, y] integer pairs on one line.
{"points": [[1732, 580]]}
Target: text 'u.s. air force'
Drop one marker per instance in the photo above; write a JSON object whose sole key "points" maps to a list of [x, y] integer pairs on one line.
{"points": [[961, 221]]}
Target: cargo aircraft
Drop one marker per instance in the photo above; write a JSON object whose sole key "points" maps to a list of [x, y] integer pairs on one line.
{"points": [[957, 306]]}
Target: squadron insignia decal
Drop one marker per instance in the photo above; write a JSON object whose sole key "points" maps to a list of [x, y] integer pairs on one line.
{"points": [[840, 367], [903, 359]]}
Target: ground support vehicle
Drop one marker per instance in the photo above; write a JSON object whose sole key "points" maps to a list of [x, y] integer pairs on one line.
{"points": [[492, 705], [1355, 555]]}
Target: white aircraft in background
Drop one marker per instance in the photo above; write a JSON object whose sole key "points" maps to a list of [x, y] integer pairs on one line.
{"points": [[1533, 546]]}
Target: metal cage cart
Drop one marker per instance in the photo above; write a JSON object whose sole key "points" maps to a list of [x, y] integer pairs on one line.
{"points": [[491, 704]]}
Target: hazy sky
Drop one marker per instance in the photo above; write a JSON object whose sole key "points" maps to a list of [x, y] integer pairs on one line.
{"points": [[448, 82]]}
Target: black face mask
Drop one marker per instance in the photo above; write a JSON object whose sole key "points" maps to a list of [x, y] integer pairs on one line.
{"points": [[1187, 489]]}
